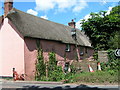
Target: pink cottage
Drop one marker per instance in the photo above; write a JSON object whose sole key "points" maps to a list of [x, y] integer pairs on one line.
{"points": [[19, 32]]}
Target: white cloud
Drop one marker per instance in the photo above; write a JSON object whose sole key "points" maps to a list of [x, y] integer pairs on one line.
{"points": [[78, 23], [44, 5], [60, 5], [86, 17], [44, 17], [103, 2], [109, 9], [79, 6], [30, 11]]}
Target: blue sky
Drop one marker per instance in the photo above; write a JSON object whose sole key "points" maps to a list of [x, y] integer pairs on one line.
{"points": [[62, 11]]}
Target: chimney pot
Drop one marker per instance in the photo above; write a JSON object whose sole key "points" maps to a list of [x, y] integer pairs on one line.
{"points": [[72, 23], [8, 5]]}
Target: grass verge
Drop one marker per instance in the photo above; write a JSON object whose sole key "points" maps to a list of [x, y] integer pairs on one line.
{"points": [[94, 77]]}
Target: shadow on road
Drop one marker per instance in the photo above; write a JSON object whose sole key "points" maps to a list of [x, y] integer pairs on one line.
{"points": [[80, 87]]}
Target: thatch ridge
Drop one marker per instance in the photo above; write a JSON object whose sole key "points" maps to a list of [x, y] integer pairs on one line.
{"points": [[36, 27]]}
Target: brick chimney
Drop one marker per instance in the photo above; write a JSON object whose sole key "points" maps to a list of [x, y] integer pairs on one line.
{"points": [[8, 5], [72, 24]]}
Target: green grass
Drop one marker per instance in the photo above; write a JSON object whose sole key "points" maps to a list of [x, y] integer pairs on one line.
{"points": [[94, 77]]}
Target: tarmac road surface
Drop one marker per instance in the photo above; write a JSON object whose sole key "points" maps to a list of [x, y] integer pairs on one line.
{"points": [[11, 85]]}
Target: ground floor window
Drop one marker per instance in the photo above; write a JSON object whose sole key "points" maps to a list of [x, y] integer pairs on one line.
{"points": [[86, 50], [66, 67]]}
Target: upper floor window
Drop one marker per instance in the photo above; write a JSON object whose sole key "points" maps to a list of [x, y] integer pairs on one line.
{"points": [[81, 51], [67, 48]]}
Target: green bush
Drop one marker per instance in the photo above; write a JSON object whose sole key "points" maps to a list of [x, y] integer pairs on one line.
{"points": [[95, 55], [113, 60], [40, 66], [104, 66], [108, 74], [55, 72], [73, 69]]}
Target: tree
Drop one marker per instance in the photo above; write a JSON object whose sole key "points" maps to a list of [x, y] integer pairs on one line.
{"points": [[114, 42], [101, 27]]}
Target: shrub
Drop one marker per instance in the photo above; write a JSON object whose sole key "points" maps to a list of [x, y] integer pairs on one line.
{"points": [[113, 60], [55, 72], [95, 55], [40, 66]]}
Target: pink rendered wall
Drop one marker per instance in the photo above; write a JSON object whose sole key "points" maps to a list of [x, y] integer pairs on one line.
{"points": [[11, 49], [59, 49], [88, 52], [30, 58], [47, 46]]}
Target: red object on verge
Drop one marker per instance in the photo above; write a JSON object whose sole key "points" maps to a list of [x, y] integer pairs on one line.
{"points": [[90, 68], [18, 77], [99, 67]]}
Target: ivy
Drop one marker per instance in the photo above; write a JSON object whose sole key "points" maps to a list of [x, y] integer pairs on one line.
{"points": [[49, 71], [113, 60], [55, 72], [40, 66]]}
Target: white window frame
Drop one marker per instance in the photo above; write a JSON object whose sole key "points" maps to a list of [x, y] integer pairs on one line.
{"points": [[67, 48]]}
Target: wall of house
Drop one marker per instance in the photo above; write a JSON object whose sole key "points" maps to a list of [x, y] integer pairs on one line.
{"points": [[11, 49], [30, 57], [90, 52], [59, 48], [48, 46]]}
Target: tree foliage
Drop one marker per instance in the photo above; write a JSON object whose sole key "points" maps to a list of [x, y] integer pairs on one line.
{"points": [[101, 27], [114, 42]]}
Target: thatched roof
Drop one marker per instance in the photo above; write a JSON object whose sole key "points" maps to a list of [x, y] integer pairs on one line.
{"points": [[36, 27], [1, 19]]}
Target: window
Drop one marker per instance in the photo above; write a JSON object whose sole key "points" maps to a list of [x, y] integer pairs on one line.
{"points": [[67, 48], [81, 51], [73, 33], [66, 67], [86, 50]]}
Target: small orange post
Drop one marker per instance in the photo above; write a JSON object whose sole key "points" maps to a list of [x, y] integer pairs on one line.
{"points": [[99, 67], [90, 68]]}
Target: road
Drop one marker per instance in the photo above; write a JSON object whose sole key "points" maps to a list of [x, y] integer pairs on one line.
{"points": [[31, 86]]}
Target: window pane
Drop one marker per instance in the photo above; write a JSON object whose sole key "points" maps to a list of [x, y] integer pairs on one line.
{"points": [[67, 47]]}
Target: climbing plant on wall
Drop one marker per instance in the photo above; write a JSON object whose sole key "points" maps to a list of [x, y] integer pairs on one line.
{"points": [[55, 72], [47, 70], [40, 66]]}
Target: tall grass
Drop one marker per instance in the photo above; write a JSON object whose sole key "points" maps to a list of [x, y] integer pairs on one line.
{"points": [[95, 77]]}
